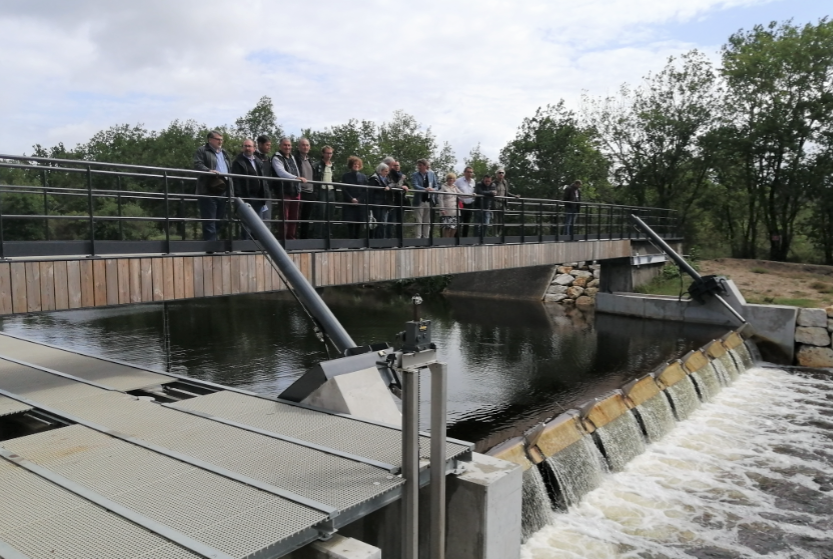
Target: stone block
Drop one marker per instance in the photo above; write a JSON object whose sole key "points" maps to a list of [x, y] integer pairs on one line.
{"points": [[812, 317], [557, 289], [597, 273], [813, 356], [563, 279], [812, 335], [591, 291], [581, 274], [580, 282], [564, 269], [568, 302], [585, 301], [575, 292], [593, 283], [829, 311], [830, 324], [555, 298]]}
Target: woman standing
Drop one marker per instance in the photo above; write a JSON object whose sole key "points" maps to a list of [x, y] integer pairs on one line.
{"points": [[354, 213], [380, 199], [448, 205]]}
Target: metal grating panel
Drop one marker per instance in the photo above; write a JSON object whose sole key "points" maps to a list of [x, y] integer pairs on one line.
{"points": [[9, 406], [365, 439], [116, 376], [192, 501], [41, 386], [43, 521]]}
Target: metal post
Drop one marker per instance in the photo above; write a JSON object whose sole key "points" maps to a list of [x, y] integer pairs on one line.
{"points": [[90, 209], [180, 211], [229, 212], [329, 211], [401, 225], [2, 242], [439, 375], [540, 222], [410, 464], [586, 222], [523, 220], [118, 204], [167, 216], [367, 193], [45, 205]]}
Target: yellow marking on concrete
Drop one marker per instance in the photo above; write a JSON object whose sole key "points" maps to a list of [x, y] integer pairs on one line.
{"points": [[606, 411], [732, 340], [695, 361], [512, 451], [671, 375], [558, 434], [716, 349], [643, 390]]}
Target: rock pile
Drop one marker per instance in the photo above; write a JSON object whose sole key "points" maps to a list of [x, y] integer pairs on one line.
{"points": [[574, 284], [813, 337]]}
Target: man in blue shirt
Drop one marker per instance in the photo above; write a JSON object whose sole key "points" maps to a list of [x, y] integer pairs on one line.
{"points": [[212, 189], [425, 185]]}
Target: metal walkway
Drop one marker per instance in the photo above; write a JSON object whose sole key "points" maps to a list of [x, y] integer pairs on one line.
{"points": [[223, 474]]}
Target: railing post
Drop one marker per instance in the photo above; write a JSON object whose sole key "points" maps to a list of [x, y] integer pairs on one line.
{"points": [[180, 211], [503, 204], [540, 222], [401, 225], [167, 216], [2, 241], [410, 464], [45, 205], [118, 205], [439, 375], [328, 214], [431, 223], [523, 220], [90, 209], [367, 192], [586, 222], [229, 211]]}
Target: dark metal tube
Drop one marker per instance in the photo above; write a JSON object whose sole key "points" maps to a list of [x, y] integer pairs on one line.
{"points": [[306, 293], [683, 265], [410, 464], [438, 440]]}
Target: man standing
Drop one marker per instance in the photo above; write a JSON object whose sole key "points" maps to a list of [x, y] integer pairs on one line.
{"points": [[465, 184], [502, 191], [424, 182], [572, 197], [322, 171], [264, 148], [309, 191], [399, 190], [251, 190], [212, 189], [485, 191], [285, 167]]}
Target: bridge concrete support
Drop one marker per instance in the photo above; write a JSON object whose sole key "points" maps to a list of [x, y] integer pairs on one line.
{"points": [[518, 283], [625, 274]]}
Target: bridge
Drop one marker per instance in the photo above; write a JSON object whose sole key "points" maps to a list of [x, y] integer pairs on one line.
{"points": [[79, 234]]}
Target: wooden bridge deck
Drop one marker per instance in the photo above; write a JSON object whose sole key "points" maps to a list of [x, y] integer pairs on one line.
{"points": [[49, 284]]}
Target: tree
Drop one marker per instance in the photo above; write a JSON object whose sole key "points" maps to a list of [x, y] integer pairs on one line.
{"points": [[481, 164], [780, 100], [404, 139], [260, 120], [552, 149]]}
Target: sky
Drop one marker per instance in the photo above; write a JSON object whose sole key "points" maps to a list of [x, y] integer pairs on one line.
{"points": [[471, 70]]}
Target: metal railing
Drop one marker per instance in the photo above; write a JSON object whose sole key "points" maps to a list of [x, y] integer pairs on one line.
{"points": [[60, 207]]}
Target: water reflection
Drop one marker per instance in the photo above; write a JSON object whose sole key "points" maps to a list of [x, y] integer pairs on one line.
{"points": [[511, 363]]}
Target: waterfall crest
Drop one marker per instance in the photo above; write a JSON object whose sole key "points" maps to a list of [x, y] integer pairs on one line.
{"points": [[657, 417], [621, 440], [683, 398], [578, 469]]}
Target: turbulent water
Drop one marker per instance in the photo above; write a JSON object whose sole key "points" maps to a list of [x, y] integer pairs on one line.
{"points": [[537, 511], [684, 398], [622, 441], [750, 474], [708, 383], [657, 417], [578, 469]]}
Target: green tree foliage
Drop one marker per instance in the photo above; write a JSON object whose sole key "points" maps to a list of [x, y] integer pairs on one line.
{"points": [[553, 149], [481, 164], [260, 120]]}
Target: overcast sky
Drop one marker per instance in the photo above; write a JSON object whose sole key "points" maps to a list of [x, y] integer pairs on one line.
{"points": [[472, 70]]}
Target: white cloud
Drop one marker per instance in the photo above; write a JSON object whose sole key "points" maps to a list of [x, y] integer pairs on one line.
{"points": [[471, 70]]}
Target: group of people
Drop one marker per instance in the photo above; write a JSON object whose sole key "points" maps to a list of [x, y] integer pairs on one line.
{"points": [[307, 198]]}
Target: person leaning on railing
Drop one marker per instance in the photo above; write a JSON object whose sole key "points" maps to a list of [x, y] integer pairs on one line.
{"points": [[212, 158], [322, 172], [502, 187], [398, 182], [425, 185], [449, 201], [379, 199], [486, 192], [252, 190], [285, 167], [354, 196]]}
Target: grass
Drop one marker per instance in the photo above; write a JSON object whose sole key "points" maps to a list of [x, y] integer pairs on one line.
{"points": [[822, 287], [804, 303], [759, 270], [661, 285]]}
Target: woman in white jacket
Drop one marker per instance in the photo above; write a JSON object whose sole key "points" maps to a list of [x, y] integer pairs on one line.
{"points": [[448, 205]]}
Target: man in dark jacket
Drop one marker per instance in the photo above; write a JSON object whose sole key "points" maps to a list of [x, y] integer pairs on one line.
{"points": [[425, 185], [252, 190], [309, 191], [486, 191], [213, 188], [322, 172], [285, 167], [264, 148], [572, 199]]}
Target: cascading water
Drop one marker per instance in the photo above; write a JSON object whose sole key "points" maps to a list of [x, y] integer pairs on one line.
{"points": [[683, 398], [741, 479], [753, 354], [537, 510], [737, 356], [621, 440], [722, 374], [578, 469], [707, 382], [656, 416], [729, 367]]}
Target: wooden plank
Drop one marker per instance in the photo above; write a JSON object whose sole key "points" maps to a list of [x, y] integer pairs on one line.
{"points": [[146, 273], [123, 280], [218, 275], [111, 281], [74, 284], [277, 282], [226, 272], [47, 286], [61, 294], [199, 278], [85, 269], [134, 279], [179, 277], [188, 277], [32, 286], [208, 275], [157, 280], [17, 273], [167, 278], [99, 282], [5, 288], [237, 264], [260, 277], [252, 273]]}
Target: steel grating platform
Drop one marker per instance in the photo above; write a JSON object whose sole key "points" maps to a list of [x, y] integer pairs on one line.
{"points": [[227, 474]]}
